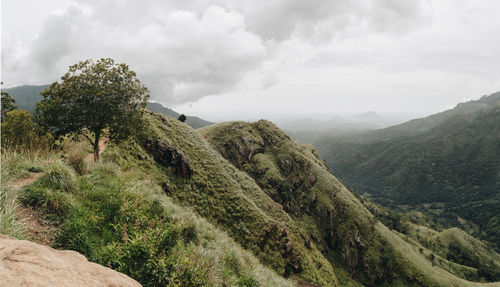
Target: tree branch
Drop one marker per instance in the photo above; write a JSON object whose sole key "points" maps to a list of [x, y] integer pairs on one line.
{"points": [[91, 142]]}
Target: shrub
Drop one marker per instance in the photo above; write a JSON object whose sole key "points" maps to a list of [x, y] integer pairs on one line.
{"points": [[59, 176], [247, 281], [50, 201], [76, 158]]}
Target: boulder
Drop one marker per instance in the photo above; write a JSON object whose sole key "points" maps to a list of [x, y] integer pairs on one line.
{"points": [[24, 263]]}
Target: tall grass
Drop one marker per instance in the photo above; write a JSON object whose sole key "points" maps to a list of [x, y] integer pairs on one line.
{"points": [[18, 164], [10, 224], [59, 176]]}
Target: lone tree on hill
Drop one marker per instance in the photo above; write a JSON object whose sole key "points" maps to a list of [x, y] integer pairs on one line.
{"points": [[182, 118], [92, 96]]}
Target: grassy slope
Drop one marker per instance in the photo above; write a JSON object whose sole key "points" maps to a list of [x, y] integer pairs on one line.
{"points": [[295, 176], [230, 199], [455, 163], [119, 217]]}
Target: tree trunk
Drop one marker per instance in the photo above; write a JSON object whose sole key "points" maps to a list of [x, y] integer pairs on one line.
{"points": [[96, 145]]}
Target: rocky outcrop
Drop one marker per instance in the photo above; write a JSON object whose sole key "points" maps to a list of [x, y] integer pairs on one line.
{"points": [[24, 263], [169, 156]]}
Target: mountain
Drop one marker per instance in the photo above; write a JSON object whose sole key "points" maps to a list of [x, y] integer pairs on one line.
{"points": [[232, 204], [27, 96], [309, 130], [446, 165], [357, 245]]}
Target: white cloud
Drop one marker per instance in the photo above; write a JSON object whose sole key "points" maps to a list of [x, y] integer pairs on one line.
{"points": [[247, 57]]}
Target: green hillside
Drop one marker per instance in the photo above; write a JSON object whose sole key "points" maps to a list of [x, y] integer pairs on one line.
{"points": [[347, 234], [446, 165], [247, 209]]}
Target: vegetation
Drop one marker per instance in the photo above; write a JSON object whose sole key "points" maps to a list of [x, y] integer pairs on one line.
{"points": [[123, 220], [91, 97], [233, 204], [296, 177], [27, 97], [8, 103], [445, 165], [182, 118]]}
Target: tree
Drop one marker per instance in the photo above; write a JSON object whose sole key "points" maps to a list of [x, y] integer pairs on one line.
{"points": [[18, 128], [93, 96], [8, 103], [182, 118]]}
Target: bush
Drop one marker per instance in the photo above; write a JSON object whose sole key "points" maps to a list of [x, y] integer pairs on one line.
{"points": [[247, 281], [19, 131], [50, 201], [76, 158], [59, 176]]}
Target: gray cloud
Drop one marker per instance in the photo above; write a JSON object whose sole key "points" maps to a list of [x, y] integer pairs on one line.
{"points": [[181, 55], [186, 50], [232, 56]]}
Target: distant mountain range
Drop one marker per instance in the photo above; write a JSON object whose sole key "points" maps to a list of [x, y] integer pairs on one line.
{"points": [[447, 165], [27, 96], [308, 130]]}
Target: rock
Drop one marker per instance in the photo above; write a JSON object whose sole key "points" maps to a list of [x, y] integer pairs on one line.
{"points": [[24, 263], [169, 156]]}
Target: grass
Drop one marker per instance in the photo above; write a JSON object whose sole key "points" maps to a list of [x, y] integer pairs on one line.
{"points": [[10, 223], [295, 176], [17, 165], [258, 207], [122, 219]]}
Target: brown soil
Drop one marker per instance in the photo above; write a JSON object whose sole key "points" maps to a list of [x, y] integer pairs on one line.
{"points": [[37, 228], [25, 181]]}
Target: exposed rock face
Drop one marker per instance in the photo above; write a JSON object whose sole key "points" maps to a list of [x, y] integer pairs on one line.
{"points": [[169, 156], [24, 263]]}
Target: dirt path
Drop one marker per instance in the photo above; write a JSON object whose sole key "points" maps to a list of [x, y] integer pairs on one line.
{"points": [[25, 181], [37, 228], [103, 142]]}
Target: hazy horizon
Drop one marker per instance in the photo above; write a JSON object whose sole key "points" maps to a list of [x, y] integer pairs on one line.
{"points": [[223, 60]]}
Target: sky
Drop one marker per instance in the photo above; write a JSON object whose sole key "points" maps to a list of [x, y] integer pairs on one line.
{"points": [[243, 60]]}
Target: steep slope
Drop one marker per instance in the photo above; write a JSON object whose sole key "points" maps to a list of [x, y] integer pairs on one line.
{"points": [[360, 249], [451, 159], [194, 174], [27, 96], [122, 219]]}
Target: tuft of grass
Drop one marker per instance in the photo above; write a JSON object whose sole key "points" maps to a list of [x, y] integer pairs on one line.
{"points": [[76, 157], [16, 165], [10, 224], [59, 176]]}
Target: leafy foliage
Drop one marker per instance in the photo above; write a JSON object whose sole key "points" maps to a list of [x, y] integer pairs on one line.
{"points": [[182, 118], [92, 96], [8, 103]]}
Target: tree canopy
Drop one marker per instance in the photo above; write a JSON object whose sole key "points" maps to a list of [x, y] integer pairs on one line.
{"points": [[8, 103], [93, 96], [182, 118]]}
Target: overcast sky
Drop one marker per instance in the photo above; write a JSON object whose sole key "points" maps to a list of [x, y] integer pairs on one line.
{"points": [[245, 59]]}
